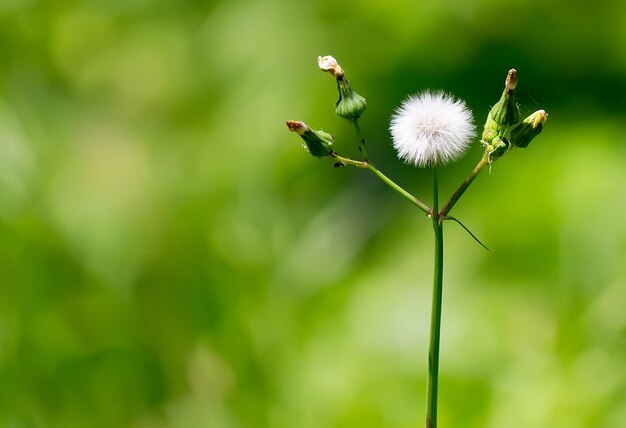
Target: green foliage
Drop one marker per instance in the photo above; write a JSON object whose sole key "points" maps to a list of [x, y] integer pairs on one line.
{"points": [[170, 258]]}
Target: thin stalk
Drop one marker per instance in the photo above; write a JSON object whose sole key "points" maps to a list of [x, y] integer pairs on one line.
{"points": [[463, 187], [357, 128], [388, 181], [419, 204], [435, 321], [349, 161]]}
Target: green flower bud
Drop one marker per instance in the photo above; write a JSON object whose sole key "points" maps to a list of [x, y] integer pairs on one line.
{"points": [[318, 143], [505, 113], [523, 133], [350, 105]]}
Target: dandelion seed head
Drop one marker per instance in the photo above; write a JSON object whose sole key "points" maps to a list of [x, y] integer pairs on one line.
{"points": [[431, 128]]}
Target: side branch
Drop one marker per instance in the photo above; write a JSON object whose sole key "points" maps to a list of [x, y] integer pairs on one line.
{"points": [[389, 182], [463, 187]]}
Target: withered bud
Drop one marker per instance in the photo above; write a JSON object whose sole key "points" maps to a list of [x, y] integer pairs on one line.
{"points": [[329, 64]]}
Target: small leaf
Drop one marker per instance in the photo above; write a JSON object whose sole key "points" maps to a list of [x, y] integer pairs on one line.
{"points": [[468, 231]]}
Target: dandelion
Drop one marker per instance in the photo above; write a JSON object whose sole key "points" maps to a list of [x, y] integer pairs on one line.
{"points": [[431, 128]]}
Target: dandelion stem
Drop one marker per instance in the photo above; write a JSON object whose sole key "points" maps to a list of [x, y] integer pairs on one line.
{"points": [[357, 128], [388, 181], [435, 321], [463, 187]]}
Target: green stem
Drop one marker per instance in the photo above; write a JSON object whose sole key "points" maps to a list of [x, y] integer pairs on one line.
{"points": [[435, 321], [357, 128], [419, 204], [388, 181], [349, 161], [463, 187]]}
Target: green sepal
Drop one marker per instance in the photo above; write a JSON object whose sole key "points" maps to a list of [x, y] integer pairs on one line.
{"points": [[350, 105], [318, 143], [497, 148]]}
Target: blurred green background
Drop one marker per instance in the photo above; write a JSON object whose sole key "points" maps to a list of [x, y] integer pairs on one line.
{"points": [[171, 257]]}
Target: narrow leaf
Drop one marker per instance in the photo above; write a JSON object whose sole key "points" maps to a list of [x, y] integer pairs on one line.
{"points": [[468, 231]]}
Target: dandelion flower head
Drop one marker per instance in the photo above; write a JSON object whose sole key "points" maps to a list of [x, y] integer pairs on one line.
{"points": [[431, 128]]}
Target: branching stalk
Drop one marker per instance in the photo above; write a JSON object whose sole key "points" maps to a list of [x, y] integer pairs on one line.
{"points": [[423, 141]]}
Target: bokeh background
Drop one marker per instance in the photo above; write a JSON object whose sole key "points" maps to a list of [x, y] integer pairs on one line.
{"points": [[171, 257]]}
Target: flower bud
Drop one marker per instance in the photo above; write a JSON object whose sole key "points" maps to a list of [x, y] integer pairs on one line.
{"points": [[505, 113], [350, 105], [523, 133], [318, 143]]}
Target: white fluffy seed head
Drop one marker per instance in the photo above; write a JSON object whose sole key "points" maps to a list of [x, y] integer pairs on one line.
{"points": [[431, 128]]}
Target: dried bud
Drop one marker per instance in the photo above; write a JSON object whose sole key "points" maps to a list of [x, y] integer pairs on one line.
{"points": [[297, 126], [523, 133], [505, 113], [511, 80], [329, 64], [318, 143]]}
